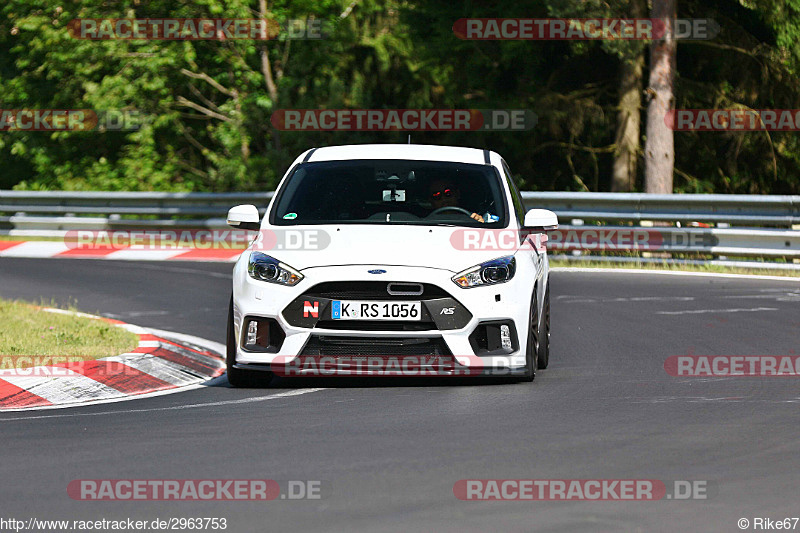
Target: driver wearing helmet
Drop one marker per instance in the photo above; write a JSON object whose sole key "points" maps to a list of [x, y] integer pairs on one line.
{"points": [[443, 193]]}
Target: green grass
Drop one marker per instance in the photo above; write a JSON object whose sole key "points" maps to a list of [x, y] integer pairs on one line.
{"points": [[710, 268], [29, 332], [19, 238]]}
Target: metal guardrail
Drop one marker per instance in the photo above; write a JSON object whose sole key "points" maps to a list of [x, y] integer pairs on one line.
{"points": [[53, 213], [742, 209], [777, 240], [746, 242], [43, 212], [162, 204], [730, 208]]}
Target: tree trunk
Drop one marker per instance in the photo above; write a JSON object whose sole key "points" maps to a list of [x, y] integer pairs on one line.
{"points": [[266, 71], [628, 125], [629, 115], [659, 151], [266, 68]]}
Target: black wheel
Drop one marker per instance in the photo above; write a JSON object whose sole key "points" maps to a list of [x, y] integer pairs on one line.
{"points": [[544, 341], [532, 349], [236, 376]]}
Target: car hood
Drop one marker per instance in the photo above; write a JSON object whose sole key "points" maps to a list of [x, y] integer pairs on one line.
{"points": [[303, 247]]}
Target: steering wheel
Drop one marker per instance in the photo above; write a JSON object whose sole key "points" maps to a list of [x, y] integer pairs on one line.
{"points": [[450, 208]]}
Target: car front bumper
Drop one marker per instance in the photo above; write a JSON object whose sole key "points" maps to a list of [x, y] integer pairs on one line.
{"points": [[449, 332]]}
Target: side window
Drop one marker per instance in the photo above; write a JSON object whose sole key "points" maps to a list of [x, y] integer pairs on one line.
{"points": [[516, 197]]}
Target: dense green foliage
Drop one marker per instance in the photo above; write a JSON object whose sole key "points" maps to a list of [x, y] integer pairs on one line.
{"points": [[212, 102]]}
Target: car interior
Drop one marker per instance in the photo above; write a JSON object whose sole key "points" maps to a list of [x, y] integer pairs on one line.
{"points": [[386, 191]]}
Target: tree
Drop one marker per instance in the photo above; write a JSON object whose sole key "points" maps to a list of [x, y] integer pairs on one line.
{"points": [[659, 150], [626, 153], [211, 101]]}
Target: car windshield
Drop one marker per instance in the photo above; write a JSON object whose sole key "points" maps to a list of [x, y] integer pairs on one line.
{"points": [[391, 192]]}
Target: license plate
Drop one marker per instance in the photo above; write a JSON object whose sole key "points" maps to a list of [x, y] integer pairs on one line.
{"points": [[375, 310]]}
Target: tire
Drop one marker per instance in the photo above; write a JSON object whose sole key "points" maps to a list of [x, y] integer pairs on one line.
{"points": [[236, 376], [544, 338], [532, 347]]}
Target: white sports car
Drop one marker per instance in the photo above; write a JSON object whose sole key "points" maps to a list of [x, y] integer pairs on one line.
{"points": [[419, 256]]}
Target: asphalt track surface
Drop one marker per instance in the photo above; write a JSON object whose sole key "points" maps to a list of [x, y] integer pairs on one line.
{"points": [[389, 452]]}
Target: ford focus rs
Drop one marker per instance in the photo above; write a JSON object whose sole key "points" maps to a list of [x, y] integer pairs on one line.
{"points": [[401, 252]]}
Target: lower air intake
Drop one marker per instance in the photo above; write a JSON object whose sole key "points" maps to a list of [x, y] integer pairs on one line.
{"points": [[328, 345]]}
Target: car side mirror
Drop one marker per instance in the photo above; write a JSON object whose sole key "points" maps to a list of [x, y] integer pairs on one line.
{"points": [[244, 217], [541, 219]]}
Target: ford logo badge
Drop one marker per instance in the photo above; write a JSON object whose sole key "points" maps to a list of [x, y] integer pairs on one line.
{"points": [[377, 271]]}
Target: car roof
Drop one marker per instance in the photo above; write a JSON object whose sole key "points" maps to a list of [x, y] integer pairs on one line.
{"points": [[417, 152]]}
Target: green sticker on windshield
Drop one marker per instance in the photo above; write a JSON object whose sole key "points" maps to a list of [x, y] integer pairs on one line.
{"points": [[290, 216]]}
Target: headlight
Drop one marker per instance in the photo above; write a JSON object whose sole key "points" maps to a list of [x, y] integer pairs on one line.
{"points": [[488, 273], [265, 268]]}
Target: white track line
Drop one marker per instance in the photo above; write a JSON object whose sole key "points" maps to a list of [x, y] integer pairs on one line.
{"points": [[109, 400], [173, 408], [673, 273], [701, 311]]}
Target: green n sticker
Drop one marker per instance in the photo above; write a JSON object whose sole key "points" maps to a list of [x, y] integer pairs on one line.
{"points": [[290, 216]]}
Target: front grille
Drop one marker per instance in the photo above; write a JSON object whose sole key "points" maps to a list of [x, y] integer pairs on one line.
{"points": [[329, 345], [370, 290]]}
